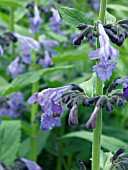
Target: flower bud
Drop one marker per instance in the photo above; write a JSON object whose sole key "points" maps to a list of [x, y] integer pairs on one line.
{"points": [[114, 38], [91, 124], [109, 106], [120, 102], [72, 120], [80, 37], [107, 26], [75, 87], [118, 152], [123, 156], [124, 21], [124, 164], [93, 100], [85, 102], [82, 26]]}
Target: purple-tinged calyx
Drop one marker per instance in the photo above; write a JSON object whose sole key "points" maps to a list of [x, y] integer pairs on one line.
{"points": [[72, 120], [35, 21]]}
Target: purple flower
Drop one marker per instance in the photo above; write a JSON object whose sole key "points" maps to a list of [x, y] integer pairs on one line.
{"points": [[48, 44], [35, 21], [31, 165], [1, 51], [124, 82], [91, 124], [55, 20], [104, 53], [15, 68], [26, 44], [104, 69], [50, 99], [73, 36], [47, 61], [14, 106]]}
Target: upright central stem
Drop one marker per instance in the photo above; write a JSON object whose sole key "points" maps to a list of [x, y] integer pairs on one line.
{"points": [[34, 110], [99, 91]]}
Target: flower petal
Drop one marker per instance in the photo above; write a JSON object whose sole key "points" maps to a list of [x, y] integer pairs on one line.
{"points": [[33, 99], [104, 69], [48, 121]]}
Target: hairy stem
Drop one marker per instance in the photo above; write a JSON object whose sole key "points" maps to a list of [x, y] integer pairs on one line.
{"points": [[99, 91]]}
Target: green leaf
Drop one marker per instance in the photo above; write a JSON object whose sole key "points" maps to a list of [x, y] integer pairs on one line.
{"points": [[110, 19], [107, 142], [71, 55], [25, 147], [105, 162], [9, 140], [73, 17], [10, 3], [89, 86], [4, 85], [29, 78]]}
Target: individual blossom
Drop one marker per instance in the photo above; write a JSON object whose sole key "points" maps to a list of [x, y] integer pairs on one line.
{"points": [[15, 68], [106, 52], [35, 21], [96, 5], [46, 61], [50, 101], [26, 44], [13, 106], [55, 20]]}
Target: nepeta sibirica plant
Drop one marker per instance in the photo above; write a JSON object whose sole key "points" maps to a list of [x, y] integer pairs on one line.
{"points": [[63, 75]]}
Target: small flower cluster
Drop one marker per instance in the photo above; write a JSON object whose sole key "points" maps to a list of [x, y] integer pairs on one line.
{"points": [[120, 160], [50, 100], [13, 106], [116, 33], [17, 66]]}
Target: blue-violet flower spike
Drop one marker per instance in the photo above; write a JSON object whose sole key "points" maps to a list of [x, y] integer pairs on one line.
{"points": [[35, 21], [104, 53]]}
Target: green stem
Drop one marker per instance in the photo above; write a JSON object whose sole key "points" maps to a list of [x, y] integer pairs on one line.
{"points": [[99, 91], [34, 110], [12, 29]]}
